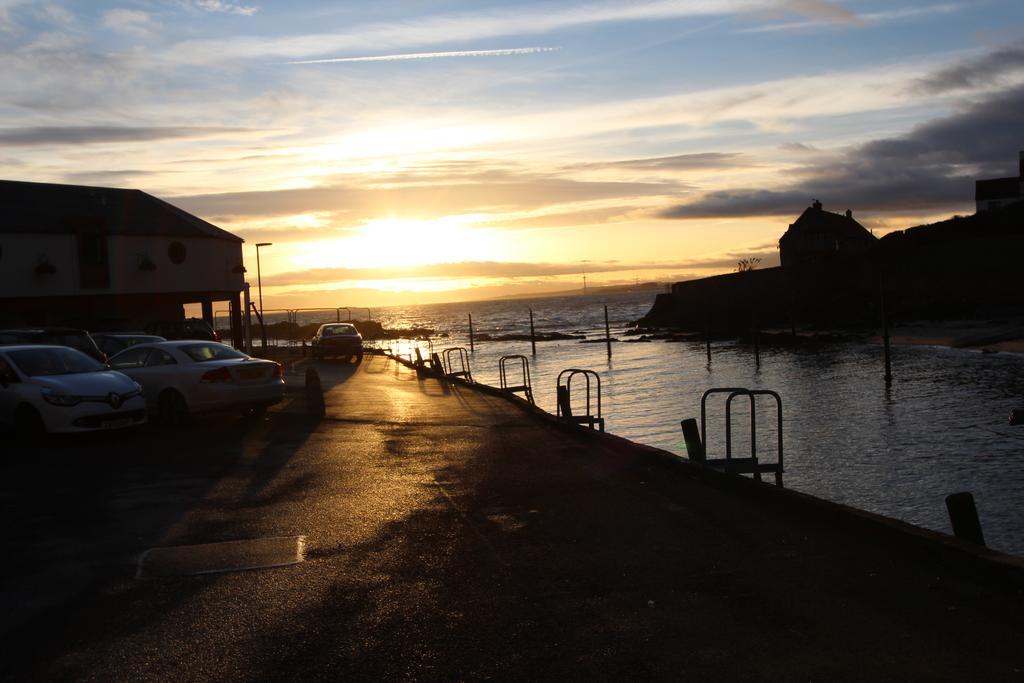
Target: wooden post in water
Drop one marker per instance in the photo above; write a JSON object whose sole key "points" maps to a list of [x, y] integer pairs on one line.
{"points": [[707, 339], [533, 336], [963, 515], [757, 340], [885, 334], [471, 347], [607, 334]]}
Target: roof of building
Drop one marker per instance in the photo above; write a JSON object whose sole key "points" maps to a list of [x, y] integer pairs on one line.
{"points": [[815, 219], [57, 209], [996, 188]]}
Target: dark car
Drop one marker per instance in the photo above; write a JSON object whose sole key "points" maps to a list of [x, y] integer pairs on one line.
{"points": [[111, 343], [59, 336], [190, 328], [338, 339]]}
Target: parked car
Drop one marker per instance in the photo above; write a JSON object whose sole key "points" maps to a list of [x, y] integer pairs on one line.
{"points": [[60, 336], [112, 343], [186, 377], [190, 328], [338, 339], [58, 389]]}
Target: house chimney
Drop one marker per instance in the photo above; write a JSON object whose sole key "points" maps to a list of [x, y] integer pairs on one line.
{"points": [[816, 205], [849, 213]]}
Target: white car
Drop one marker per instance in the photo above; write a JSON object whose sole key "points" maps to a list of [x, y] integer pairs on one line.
{"points": [[58, 389], [185, 377]]}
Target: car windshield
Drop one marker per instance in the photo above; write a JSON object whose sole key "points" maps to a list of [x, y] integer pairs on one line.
{"points": [[42, 362], [336, 330], [201, 353]]}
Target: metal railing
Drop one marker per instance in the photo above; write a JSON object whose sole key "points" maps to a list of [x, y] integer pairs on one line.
{"points": [[563, 409], [742, 465], [464, 369], [524, 385]]}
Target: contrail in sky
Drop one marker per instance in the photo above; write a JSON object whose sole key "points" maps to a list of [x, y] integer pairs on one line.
{"points": [[432, 55]]}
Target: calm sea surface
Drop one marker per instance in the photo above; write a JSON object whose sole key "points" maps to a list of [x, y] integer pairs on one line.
{"points": [[941, 428]]}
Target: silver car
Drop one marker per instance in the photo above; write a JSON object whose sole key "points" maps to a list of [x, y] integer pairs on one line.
{"points": [[187, 377]]}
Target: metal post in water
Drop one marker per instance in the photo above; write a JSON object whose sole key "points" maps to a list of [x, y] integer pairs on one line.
{"points": [[472, 349], [533, 337], [963, 516], [607, 334]]}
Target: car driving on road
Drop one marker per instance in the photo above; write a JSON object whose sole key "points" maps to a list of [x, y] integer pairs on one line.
{"points": [[187, 377], [58, 389], [338, 339]]}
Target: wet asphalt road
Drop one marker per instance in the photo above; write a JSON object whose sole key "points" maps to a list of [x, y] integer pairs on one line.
{"points": [[449, 536]]}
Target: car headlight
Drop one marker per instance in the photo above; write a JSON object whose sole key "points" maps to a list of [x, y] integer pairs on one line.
{"points": [[59, 398]]}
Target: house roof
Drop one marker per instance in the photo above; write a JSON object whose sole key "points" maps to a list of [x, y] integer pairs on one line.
{"points": [[814, 219], [996, 188], [56, 209]]}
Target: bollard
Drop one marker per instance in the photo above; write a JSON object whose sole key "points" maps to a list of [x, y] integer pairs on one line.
{"points": [[707, 342], [607, 334], [691, 436], [533, 337], [963, 516], [471, 349], [314, 394]]}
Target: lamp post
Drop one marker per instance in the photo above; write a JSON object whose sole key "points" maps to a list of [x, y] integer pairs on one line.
{"points": [[259, 285]]}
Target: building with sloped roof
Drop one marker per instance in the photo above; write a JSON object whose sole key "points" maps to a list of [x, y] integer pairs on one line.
{"points": [[819, 235], [995, 193], [102, 257]]}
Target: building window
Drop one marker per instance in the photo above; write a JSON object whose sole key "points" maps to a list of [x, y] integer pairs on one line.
{"points": [[177, 253]]}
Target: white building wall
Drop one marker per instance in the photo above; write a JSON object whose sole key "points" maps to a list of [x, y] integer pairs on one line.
{"points": [[207, 266]]}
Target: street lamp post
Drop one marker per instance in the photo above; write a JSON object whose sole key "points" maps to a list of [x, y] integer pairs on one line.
{"points": [[259, 286]]}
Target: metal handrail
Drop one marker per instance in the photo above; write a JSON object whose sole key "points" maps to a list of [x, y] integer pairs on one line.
{"points": [[569, 374], [526, 387], [463, 361], [751, 394]]}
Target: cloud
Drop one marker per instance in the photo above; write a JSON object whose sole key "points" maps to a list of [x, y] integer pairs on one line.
{"points": [[129, 21], [866, 19], [84, 135], [423, 200], [823, 10], [679, 162], [104, 178], [931, 167], [480, 25], [224, 7], [432, 55], [973, 73], [510, 270]]}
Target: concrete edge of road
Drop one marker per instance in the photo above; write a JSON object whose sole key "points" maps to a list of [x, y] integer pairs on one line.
{"points": [[967, 558]]}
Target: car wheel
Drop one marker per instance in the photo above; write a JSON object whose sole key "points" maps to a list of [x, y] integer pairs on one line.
{"points": [[173, 411], [28, 423], [359, 357]]}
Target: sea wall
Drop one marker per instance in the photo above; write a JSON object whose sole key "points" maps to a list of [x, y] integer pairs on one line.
{"points": [[962, 277]]}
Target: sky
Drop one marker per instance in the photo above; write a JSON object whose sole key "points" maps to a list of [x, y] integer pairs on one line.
{"points": [[440, 150]]}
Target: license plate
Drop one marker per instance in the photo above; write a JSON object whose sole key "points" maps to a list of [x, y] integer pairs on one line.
{"points": [[250, 373], [117, 423]]}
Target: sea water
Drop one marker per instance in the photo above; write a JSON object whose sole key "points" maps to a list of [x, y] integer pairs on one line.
{"points": [[941, 427]]}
